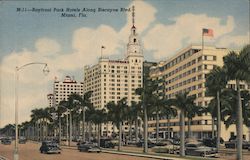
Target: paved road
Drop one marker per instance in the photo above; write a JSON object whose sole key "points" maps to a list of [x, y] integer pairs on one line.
{"points": [[30, 151]]}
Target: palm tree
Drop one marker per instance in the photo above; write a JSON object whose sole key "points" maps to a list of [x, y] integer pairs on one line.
{"points": [[229, 103], [215, 82], [60, 110], [117, 113], [8, 130], [183, 102], [36, 115], [159, 105], [237, 68], [111, 108], [212, 110], [99, 117], [147, 101], [134, 111], [191, 112], [169, 112]]}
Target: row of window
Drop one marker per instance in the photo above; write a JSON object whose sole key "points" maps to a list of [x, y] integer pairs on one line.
{"points": [[194, 122], [205, 57], [180, 58], [72, 86], [183, 75]]}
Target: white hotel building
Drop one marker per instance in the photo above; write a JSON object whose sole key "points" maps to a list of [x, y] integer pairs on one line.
{"points": [[187, 71], [62, 90], [112, 80]]}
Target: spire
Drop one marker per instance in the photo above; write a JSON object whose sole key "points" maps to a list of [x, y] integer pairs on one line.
{"points": [[133, 16]]}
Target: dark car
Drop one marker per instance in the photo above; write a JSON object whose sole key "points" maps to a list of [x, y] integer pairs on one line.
{"points": [[141, 143], [50, 147], [88, 147], [106, 143], [198, 149], [211, 142], [233, 143], [6, 141], [22, 140]]}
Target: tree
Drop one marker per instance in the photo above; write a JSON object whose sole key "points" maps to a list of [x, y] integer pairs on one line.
{"points": [[169, 112], [117, 113], [134, 111], [215, 82], [183, 102], [229, 103], [147, 101], [212, 110], [237, 69], [191, 112], [98, 117]]}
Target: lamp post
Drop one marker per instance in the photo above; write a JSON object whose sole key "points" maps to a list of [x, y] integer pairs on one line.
{"points": [[67, 126], [46, 71]]}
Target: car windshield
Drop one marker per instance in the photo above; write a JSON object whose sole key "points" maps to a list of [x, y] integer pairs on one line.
{"points": [[51, 144]]}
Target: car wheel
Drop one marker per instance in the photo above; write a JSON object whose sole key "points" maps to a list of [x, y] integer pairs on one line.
{"points": [[98, 151]]}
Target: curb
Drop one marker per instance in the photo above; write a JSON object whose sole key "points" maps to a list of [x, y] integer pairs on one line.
{"points": [[129, 154], [141, 155]]}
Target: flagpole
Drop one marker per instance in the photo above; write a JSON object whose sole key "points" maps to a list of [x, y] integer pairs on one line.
{"points": [[202, 41], [101, 51]]}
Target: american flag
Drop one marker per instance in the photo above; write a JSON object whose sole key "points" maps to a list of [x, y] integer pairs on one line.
{"points": [[207, 32]]}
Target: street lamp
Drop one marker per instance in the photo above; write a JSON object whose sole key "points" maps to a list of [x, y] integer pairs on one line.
{"points": [[45, 71]]}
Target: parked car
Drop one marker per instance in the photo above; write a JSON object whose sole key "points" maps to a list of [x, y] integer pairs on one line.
{"points": [[50, 147], [6, 141], [233, 143], [106, 143], [22, 140], [211, 142], [199, 149], [141, 143], [166, 146], [88, 147]]}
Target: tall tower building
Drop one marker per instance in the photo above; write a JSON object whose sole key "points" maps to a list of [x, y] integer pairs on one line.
{"points": [[112, 80]]}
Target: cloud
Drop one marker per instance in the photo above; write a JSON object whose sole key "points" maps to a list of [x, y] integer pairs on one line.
{"points": [[164, 40], [47, 46], [234, 40]]}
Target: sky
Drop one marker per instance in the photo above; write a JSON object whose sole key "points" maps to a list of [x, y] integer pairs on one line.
{"points": [[67, 44]]}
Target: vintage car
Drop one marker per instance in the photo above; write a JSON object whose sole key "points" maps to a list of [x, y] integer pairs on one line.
{"points": [[50, 147], [22, 140], [6, 141], [233, 143], [88, 147], [199, 149], [141, 143], [106, 143], [166, 146]]}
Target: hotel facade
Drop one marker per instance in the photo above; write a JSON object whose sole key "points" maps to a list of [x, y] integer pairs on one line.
{"points": [[112, 80], [186, 72], [62, 90]]}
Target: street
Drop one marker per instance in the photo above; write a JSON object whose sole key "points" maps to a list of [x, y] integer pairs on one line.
{"points": [[30, 151]]}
